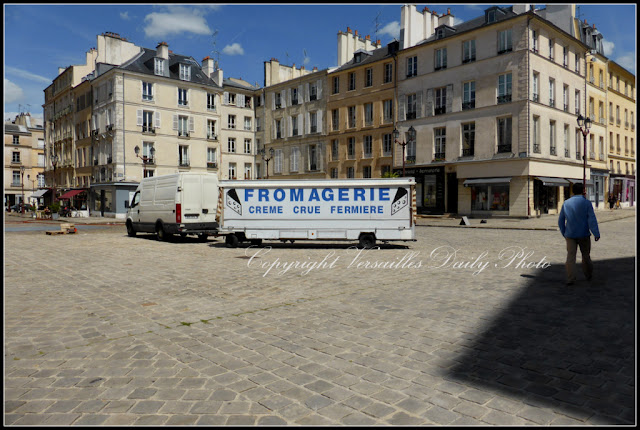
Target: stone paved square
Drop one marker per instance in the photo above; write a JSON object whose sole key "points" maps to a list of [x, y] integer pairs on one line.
{"points": [[105, 329]]}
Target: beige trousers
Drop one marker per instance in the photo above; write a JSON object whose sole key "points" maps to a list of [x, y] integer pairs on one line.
{"points": [[585, 248]]}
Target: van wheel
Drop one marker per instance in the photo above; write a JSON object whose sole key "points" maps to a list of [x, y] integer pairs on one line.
{"points": [[162, 235], [367, 240], [203, 237], [256, 242], [231, 241], [183, 235], [130, 230]]}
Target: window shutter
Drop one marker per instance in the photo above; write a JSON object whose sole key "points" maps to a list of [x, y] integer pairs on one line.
{"points": [[240, 100], [283, 98], [157, 119], [289, 127], [191, 124], [275, 132], [139, 118], [307, 92], [226, 98], [319, 87], [175, 122], [320, 156], [401, 103], [419, 104], [319, 119], [300, 124], [449, 98], [300, 93], [307, 128], [429, 106], [290, 96], [273, 101]]}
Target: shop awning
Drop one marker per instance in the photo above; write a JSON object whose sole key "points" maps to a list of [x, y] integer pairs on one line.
{"points": [[483, 181], [69, 194], [39, 193], [553, 182]]}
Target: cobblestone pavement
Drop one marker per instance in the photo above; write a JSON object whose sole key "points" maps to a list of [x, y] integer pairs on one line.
{"points": [[464, 326]]}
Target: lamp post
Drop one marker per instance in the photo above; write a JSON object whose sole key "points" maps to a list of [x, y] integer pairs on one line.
{"points": [[54, 163], [412, 137], [22, 183], [585, 124], [267, 159], [145, 159], [33, 186]]}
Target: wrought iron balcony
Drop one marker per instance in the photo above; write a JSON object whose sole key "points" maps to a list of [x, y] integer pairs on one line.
{"points": [[504, 99], [504, 148]]}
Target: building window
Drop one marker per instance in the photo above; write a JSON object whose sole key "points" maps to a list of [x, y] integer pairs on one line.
{"points": [[294, 96], [551, 45], [504, 134], [440, 137], [536, 87], [278, 129], [368, 77], [388, 73], [565, 56], [247, 146], [468, 51], [366, 172], [182, 97], [578, 142], [232, 170], [183, 126], [185, 72], [566, 140], [441, 59], [313, 158], [211, 101], [412, 66], [183, 155], [15, 157], [504, 88], [313, 92], [387, 145], [565, 97], [212, 157], [334, 150], [278, 100], [277, 164], [469, 95], [336, 84], [441, 101], [534, 40], [313, 122], [411, 106], [552, 92], [352, 116], [351, 147], [387, 106], [468, 139], [350, 172], [577, 102], [295, 159], [504, 41], [294, 125], [231, 122], [16, 140], [211, 129], [247, 171], [247, 123], [352, 81], [158, 66], [334, 173], [368, 114], [147, 91], [367, 147], [16, 178], [231, 145], [552, 137], [147, 122], [335, 119]]}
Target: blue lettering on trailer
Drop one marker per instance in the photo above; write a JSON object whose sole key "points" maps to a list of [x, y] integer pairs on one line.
{"points": [[317, 195]]}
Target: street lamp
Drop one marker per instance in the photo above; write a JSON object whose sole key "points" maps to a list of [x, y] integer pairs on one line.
{"points": [[267, 159], [54, 163], [585, 124], [412, 137], [33, 186], [145, 159], [22, 182]]}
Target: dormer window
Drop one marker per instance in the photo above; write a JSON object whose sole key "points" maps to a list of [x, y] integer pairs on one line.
{"points": [[357, 58], [491, 16], [185, 72], [439, 33], [158, 67]]}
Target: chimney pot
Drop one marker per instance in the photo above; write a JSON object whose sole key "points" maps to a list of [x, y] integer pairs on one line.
{"points": [[426, 9], [356, 32], [378, 42], [368, 37], [349, 29], [594, 26], [448, 11]]}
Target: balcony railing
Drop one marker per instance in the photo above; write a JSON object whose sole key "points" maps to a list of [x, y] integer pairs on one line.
{"points": [[552, 150], [184, 163], [626, 124], [611, 119], [469, 60], [109, 160], [148, 129], [183, 133], [504, 147], [618, 122], [536, 148], [412, 115], [552, 103], [212, 165], [469, 105], [602, 120], [567, 153], [578, 156], [440, 110], [504, 99], [439, 156], [467, 152], [566, 107], [536, 98], [601, 156], [211, 136]]}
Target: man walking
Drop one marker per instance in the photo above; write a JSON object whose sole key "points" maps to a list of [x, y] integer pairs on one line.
{"points": [[576, 219]]}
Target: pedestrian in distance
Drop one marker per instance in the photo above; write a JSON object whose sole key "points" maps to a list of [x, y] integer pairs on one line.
{"points": [[612, 201], [576, 220]]}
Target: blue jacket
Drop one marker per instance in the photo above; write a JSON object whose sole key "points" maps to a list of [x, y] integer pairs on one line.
{"points": [[577, 218]]}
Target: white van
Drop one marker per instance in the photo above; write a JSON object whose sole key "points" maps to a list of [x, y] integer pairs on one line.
{"points": [[180, 203]]}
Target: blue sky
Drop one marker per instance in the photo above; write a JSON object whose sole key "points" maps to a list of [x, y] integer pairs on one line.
{"points": [[40, 38]]}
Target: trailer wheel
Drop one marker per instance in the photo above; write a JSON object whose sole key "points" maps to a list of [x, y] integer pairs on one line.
{"points": [[130, 230], [231, 241], [203, 237], [256, 242], [367, 240]]}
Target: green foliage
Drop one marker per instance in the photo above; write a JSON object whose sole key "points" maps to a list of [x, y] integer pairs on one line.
{"points": [[54, 207], [391, 175]]}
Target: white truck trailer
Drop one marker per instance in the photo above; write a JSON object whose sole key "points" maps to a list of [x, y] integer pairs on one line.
{"points": [[363, 210]]}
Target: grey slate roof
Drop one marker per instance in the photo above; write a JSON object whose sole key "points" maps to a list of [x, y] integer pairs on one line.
{"points": [[370, 57], [143, 63], [13, 128]]}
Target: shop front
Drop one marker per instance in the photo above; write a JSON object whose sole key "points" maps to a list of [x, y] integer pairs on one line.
{"points": [[489, 195], [595, 188], [111, 199], [623, 189], [430, 188], [547, 192]]}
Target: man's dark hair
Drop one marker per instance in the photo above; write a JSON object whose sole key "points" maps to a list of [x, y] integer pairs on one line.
{"points": [[578, 188]]}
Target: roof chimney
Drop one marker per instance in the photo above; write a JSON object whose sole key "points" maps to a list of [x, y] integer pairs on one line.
{"points": [[348, 29], [448, 11], [208, 66], [162, 50]]}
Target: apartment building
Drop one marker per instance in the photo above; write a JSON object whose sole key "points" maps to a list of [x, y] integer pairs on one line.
{"points": [[621, 96], [23, 160], [291, 120], [494, 103]]}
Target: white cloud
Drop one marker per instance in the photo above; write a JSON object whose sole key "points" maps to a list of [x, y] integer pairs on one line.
{"points": [[176, 20], [608, 47], [125, 15], [392, 29], [12, 92], [628, 61], [233, 49], [27, 75], [37, 117]]}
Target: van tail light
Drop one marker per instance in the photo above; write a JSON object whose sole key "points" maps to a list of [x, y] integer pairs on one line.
{"points": [[178, 213]]}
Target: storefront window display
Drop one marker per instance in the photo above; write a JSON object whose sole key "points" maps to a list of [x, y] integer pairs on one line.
{"points": [[490, 198], [430, 191]]}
